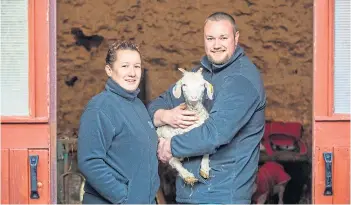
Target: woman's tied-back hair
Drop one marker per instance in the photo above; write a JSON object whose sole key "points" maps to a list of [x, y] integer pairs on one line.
{"points": [[119, 45], [217, 16]]}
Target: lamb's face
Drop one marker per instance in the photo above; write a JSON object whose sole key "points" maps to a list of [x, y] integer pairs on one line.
{"points": [[193, 87]]}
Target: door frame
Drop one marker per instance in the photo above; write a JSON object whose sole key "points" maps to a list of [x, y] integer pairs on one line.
{"points": [[330, 130], [36, 132], [323, 63], [53, 99]]}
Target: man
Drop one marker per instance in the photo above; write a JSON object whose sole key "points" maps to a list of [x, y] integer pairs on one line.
{"points": [[235, 126]]}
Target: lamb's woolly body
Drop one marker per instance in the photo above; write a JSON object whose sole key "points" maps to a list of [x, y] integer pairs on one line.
{"points": [[193, 81], [201, 112]]}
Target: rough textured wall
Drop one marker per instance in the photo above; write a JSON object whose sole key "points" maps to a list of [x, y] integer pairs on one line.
{"points": [[276, 34]]}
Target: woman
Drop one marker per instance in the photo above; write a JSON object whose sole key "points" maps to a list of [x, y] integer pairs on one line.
{"points": [[117, 142]]}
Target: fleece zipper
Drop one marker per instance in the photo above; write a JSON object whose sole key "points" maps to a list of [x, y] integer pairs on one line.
{"points": [[149, 148]]}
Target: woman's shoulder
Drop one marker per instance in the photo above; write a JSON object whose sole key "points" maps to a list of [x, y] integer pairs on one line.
{"points": [[104, 102]]}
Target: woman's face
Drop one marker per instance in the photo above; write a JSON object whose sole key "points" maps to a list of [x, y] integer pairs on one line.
{"points": [[126, 70]]}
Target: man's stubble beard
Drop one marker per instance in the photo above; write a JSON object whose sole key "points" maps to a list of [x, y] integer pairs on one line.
{"points": [[224, 61]]}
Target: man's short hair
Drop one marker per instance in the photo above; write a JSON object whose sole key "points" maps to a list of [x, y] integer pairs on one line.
{"points": [[217, 16]]}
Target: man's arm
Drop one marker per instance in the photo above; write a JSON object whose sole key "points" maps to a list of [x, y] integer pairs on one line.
{"points": [[160, 104], [95, 137], [235, 104]]}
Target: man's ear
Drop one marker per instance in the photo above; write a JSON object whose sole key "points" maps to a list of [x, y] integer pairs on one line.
{"points": [[177, 89], [236, 37], [108, 70]]}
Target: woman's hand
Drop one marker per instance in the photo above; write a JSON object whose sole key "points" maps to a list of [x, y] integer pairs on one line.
{"points": [[164, 152]]}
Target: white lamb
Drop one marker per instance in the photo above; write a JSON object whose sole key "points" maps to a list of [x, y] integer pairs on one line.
{"points": [[192, 85]]}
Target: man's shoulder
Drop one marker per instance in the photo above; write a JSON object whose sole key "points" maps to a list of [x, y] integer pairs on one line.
{"points": [[244, 68]]}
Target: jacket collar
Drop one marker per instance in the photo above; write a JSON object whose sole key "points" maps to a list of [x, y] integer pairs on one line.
{"points": [[216, 68], [114, 87]]}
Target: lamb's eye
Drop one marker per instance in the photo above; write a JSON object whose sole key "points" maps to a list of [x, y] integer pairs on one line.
{"points": [[184, 85]]}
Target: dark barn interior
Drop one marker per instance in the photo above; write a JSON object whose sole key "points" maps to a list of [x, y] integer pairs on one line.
{"points": [[276, 35]]}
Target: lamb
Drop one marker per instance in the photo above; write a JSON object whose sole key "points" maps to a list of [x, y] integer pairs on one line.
{"points": [[192, 85]]}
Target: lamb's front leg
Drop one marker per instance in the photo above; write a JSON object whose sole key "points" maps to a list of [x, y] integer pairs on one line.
{"points": [[188, 177], [205, 166]]}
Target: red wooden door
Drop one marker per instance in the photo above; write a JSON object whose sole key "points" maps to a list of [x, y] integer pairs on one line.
{"points": [[27, 123], [331, 103]]}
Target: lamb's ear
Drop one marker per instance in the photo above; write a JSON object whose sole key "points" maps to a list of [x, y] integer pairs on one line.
{"points": [[209, 89], [200, 70], [177, 89], [182, 70]]}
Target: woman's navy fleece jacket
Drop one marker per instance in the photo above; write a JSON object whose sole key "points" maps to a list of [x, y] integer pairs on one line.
{"points": [[117, 146]]}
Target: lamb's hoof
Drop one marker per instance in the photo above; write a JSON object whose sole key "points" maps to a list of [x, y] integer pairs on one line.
{"points": [[204, 174], [190, 180]]}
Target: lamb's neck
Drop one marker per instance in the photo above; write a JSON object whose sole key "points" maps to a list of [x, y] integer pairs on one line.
{"points": [[198, 108]]}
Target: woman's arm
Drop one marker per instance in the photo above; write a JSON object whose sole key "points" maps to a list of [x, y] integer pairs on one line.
{"points": [[95, 136]]}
